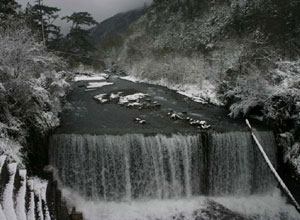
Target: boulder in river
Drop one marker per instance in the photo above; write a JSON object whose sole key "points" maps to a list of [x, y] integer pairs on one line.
{"points": [[140, 121], [102, 98]]}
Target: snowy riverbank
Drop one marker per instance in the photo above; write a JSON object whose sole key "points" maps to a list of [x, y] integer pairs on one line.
{"points": [[204, 94]]}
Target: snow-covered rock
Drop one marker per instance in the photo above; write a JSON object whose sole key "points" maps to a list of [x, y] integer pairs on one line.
{"points": [[115, 95], [101, 98], [94, 85], [134, 104], [131, 98], [104, 97], [175, 116], [140, 121], [96, 77]]}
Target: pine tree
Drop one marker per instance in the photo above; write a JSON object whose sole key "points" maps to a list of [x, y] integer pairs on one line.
{"points": [[77, 39], [39, 14], [7, 8], [79, 19]]}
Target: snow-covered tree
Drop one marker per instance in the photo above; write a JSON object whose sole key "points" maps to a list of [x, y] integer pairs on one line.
{"points": [[32, 85], [39, 14], [7, 8]]}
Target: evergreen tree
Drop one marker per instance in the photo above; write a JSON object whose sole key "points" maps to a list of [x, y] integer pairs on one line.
{"points": [[39, 14], [8, 7], [79, 19], [77, 39]]}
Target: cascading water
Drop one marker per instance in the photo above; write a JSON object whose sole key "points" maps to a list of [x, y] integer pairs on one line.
{"points": [[154, 176], [130, 167]]}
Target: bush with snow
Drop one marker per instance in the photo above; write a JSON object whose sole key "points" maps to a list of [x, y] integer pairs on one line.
{"points": [[32, 86], [275, 97], [293, 156]]}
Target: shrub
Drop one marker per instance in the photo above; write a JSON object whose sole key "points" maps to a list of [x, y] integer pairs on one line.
{"points": [[32, 85]]}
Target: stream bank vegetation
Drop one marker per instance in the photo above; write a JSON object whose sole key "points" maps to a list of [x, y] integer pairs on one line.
{"points": [[32, 89], [36, 63]]}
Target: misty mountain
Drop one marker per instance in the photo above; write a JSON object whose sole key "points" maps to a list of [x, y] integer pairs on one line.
{"points": [[107, 32]]}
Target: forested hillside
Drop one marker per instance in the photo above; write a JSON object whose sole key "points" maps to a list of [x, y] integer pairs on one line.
{"points": [[107, 33]]}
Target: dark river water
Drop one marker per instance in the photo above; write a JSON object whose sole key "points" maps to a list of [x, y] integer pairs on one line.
{"points": [[87, 116]]}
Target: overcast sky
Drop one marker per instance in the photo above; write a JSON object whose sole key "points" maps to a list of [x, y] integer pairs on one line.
{"points": [[100, 9]]}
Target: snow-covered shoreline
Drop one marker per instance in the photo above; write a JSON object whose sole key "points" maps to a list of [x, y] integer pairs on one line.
{"points": [[91, 77], [205, 95]]}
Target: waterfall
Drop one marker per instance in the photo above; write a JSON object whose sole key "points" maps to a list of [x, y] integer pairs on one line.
{"points": [[235, 161], [135, 166]]}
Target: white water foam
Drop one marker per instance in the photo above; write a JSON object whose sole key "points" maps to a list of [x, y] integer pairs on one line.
{"points": [[270, 206], [257, 207]]}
